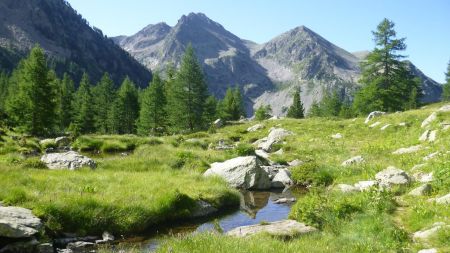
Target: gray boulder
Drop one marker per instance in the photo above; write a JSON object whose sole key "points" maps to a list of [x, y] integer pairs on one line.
{"points": [[423, 177], [45, 248], [421, 190], [255, 128], [284, 228], [427, 233], [365, 185], [69, 160], [282, 179], [218, 123], [392, 176], [429, 120], [276, 135], [81, 247], [346, 188], [408, 150], [284, 201], [18, 222], [241, 172], [444, 199], [373, 115], [353, 160]]}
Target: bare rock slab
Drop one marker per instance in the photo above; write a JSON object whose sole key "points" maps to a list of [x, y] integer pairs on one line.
{"points": [[284, 228], [69, 160], [408, 150], [353, 160], [18, 222], [392, 176]]}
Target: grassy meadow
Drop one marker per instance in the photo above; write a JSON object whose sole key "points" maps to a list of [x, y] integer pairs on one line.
{"points": [[140, 183]]}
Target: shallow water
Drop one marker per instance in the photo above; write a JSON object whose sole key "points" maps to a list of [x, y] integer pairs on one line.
{"points": [[255, 207]]}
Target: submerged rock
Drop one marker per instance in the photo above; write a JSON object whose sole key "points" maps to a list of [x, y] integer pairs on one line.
{"points": [[285, 200], [18, 222], [69, 160], [241, 172], [284, 228]]}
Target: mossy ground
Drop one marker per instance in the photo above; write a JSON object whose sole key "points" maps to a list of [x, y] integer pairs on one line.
{"points": [[162, 176]]}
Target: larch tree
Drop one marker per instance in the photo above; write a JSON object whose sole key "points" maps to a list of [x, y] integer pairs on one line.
{"points": [[296, 110], [67, 93], [83, 118], [153, 114], [104, 95], [125, 110]]}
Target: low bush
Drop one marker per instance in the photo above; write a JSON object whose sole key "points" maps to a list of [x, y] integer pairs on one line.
{"points": [[243, 149], [311, 173]]}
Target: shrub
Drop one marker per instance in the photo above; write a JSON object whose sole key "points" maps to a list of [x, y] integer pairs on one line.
{"points": [[311, 173], [243, 149]]}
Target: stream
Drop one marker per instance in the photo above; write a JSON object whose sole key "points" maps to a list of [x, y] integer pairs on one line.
{"points": [[255, 207]]}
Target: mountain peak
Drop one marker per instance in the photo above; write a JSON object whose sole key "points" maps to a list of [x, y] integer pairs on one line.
{"points": [[197, 19]]}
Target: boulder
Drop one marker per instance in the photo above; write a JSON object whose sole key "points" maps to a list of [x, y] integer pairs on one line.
{"points": [[279, 152], [27, 246], [255, 128], [18, 222], [385, 127], [263, 154], [425, 135], [62, 141], [424, 189], [427, 233], [429, 119], [373, 115], [272, 170], [423, 177], [276, 135], [408, 150], [284, 201], [392, 176], [431, 156], [106, 237], [218, 123], [365, 185], [375, 124], [284, 228], [346, 188], [418, 166], [203, 209], [336, 136], [282, 179], [353, 160], [445, 108], [432, 250], [69, 160], [402, 124], [241, 172], [295, 162], [444, 199], [260, 141]]}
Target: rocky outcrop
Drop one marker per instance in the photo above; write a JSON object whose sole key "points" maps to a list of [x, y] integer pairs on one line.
{"points": [[275, 135], [423, 177], [346, 188], [284, 228], [373, 115], [392, 176], [69, 160], [255, 128], [408, 150], [241, 172], [353, 160], [18, 222]]}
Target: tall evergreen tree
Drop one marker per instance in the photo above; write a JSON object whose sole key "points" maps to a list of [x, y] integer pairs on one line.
{"points": [[210, 110], [387, 84], [446, 87], [263, 112], [232, 105], [104, 95], [33, 105], [296, 110], [153, 115], [125, 110], [187, 95], [83, 117], [67, 93]]}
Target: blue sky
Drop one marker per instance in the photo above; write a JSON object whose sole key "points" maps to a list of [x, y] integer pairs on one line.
{"points": [[346, 23]]}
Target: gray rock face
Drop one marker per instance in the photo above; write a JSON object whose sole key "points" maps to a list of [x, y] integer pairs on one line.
{"points": [[353, 160], [241, 172], [17, 222], [392, 176], [284, 228], [255, 128], [373, 115], [276, 135], [282, 179], [70, 160]]}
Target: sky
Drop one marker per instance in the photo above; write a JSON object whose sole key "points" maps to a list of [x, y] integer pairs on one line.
{"points": [[345, 23]]}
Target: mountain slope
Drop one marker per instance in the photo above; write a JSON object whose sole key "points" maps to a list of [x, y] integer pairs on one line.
{"points": [[66, 37], [268, 73]]}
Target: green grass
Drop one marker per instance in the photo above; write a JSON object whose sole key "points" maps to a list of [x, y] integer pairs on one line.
{"points": [[161, 178]]}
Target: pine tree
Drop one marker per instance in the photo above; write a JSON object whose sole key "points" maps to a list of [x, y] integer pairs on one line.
{"points": [[32, 100], [387, 83], [83, 118], [446, 87], [187, 95], [125, 110], [232, 105], [152, 116], [67, 93], [210, 111], [104, 95], [331, 104], [263, 112], [314, 110], [296, 110]]}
